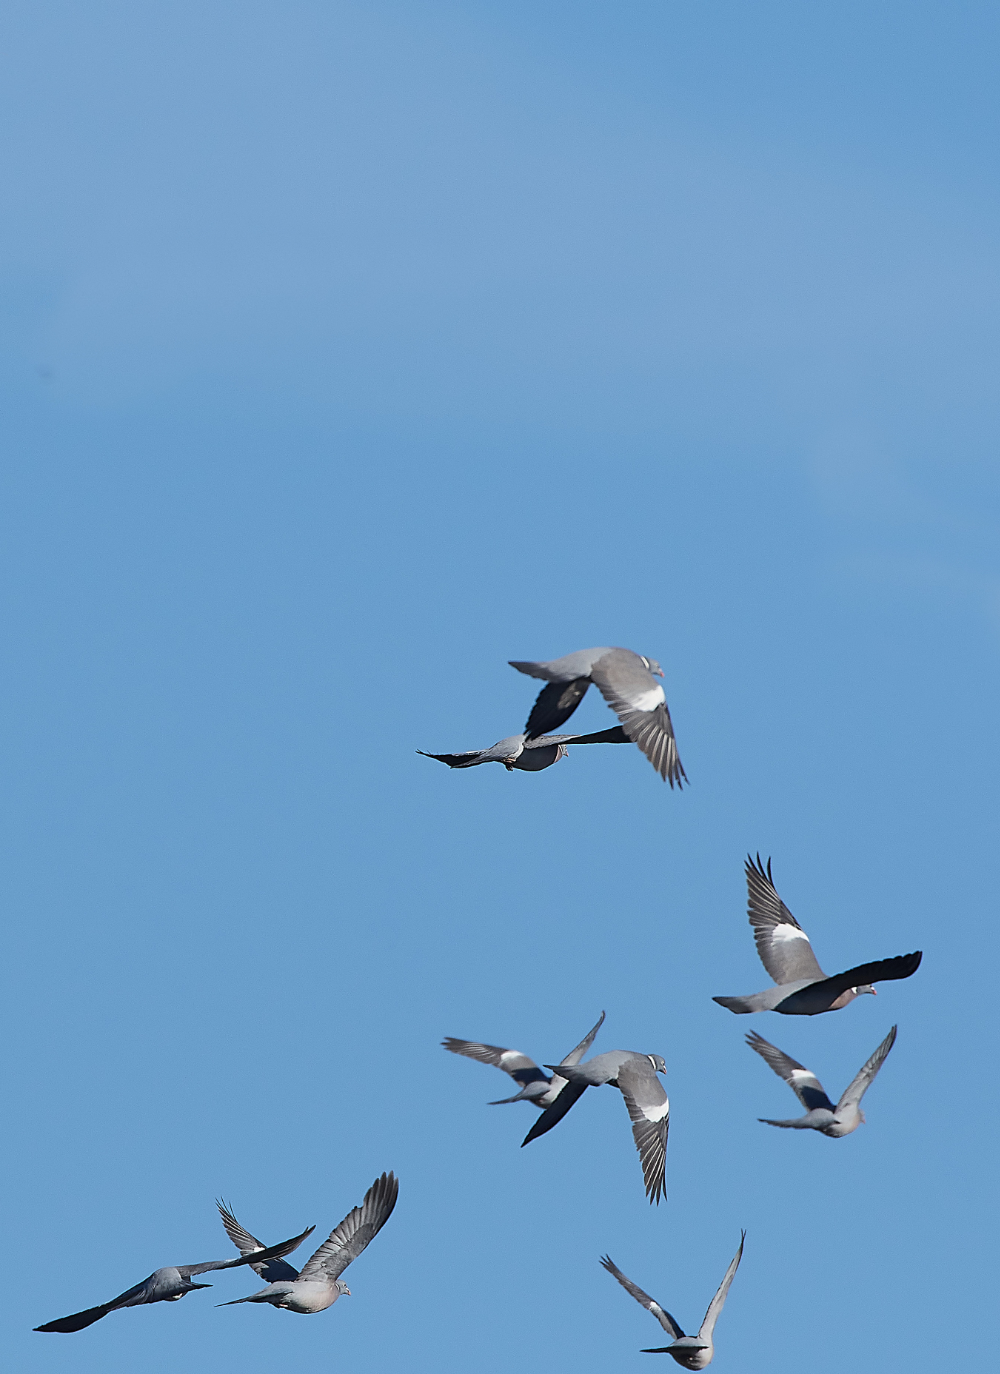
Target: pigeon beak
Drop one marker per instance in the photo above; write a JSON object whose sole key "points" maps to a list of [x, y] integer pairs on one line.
{"points": [[347, 1292], [874, 993]]}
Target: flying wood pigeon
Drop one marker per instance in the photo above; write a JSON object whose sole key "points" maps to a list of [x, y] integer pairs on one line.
{"points": [[821, 1114], [693, 1352], [803, 989], [626, 681], [634, 1075], [319, 1285]]}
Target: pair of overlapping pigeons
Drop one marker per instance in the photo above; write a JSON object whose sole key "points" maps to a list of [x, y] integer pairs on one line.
{"points": [[801, 988], [626, 680], [313, 1288]]}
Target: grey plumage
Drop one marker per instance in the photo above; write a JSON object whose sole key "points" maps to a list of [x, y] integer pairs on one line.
{"points": [[693, 1352], [635, 1076], [525, 754], [167, 1285], [535, 1085], [318, 1285], [802, 988], [271, 1271], [627, 682], [821, 1114]]}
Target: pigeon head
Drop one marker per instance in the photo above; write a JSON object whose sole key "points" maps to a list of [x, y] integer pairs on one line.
{"points": [[658, 1062], [652, 665], [865, 987], [342, 1288]]}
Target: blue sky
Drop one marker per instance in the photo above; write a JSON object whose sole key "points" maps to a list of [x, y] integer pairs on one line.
{"points": [[347, 351]]}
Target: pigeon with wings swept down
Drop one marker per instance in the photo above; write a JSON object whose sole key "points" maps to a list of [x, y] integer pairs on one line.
{"points": [[318, 1285], [821, 1114], [535, 1085], [634, 1075], [627, 681], [693, 1352], [803, 989]]}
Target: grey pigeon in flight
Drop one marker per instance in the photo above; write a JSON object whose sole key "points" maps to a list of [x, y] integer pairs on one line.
{"points": [[167, 1285], [821, 1114], [526, 754], [627, 681], [535, 1085], [634, 1075], [693, 1352], [803, 989], [318, 1285]]}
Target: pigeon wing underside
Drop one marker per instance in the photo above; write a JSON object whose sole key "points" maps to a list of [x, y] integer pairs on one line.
{"points": [[554, 705], [865, 1076], [716, 1305], [820, 997], [77, 1321], [551, 1116], [782, 944], [466, 759], [346, 1241]]}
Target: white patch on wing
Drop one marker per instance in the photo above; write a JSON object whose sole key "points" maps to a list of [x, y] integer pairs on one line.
{"points": [[656, 1113], [787, 932], [648, 700], [801, 1073]]}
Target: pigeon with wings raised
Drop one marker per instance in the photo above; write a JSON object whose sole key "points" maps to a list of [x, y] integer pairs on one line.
{"points": [[821, 1114], [693, 1352], [526, 754], [634, 1075], [318, 1285], [535, 1084], [803, 989], [627, 681], [168, 1285]]}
